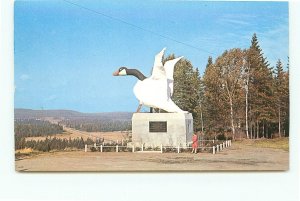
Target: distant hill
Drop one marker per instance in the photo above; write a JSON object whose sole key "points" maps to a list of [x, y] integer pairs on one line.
{"points": [[70, 114]]}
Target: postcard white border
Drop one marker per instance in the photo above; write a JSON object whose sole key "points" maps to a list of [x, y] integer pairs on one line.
{"points": [[246, 186]]}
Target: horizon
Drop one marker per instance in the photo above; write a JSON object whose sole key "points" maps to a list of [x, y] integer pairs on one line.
{"points": [[70, 110], [65, 54]]}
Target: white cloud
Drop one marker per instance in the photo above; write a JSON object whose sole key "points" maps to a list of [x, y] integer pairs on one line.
{"points": [[234, 21], [275, 43], [24, 77], [51, 98]]}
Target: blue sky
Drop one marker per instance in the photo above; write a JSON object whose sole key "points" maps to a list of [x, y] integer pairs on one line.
{"points": [[65, 55]]}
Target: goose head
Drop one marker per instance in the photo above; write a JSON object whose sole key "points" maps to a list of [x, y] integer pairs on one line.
{"points": [[122, 71]]}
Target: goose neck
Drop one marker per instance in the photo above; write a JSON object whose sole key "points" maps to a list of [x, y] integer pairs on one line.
{"points": [[136, 73]]}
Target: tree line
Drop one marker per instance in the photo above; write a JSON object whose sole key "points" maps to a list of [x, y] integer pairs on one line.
{"points": [[98, 125], [239, 94], [51, 143], [36, 128]]}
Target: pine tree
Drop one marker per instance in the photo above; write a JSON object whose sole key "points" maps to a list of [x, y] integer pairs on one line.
{"points": [[213, 100], [279, 92], [260, 88], [282, 98], [286, 100], [186, 88]]}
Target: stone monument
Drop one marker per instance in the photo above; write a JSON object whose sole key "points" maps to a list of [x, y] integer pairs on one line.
{"points": [[167, 129]]}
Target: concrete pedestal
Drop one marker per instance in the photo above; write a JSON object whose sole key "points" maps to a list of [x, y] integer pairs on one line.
{"points": [[167, 129]]}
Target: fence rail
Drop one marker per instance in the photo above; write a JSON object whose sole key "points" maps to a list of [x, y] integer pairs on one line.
{"points": [[215, 149]]}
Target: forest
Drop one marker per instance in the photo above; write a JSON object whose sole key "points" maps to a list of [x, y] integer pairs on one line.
{"points": [[98, 125], [35, 128], [239, 95], [50, 144]]}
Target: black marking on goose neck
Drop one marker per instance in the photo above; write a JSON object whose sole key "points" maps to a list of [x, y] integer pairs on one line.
{"points": [[136, 73]]}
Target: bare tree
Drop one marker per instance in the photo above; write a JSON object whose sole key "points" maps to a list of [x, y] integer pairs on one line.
{"points": [[230, 65], [245, 72]]}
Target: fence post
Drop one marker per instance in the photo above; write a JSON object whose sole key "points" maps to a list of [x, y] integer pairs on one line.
{"points": [[95, 145], [161, 148], [213, 141], [178, 149], [217, 148], [132, 148], [85, 148], [101, 148], [214, 152], [142, 147], [223, 145], [220, 147], [117, 147]]}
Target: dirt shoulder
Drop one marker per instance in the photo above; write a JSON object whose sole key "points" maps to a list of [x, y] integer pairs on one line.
{"points": [[239, 157]]}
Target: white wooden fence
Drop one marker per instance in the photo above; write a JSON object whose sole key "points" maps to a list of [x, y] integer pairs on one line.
{"points": [[215, 149]]}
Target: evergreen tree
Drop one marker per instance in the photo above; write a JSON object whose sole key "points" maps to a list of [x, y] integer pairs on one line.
{"points": [[186, 88], [286, 100], [282, 98], [260, 89], [213, 100], [279, 92]]}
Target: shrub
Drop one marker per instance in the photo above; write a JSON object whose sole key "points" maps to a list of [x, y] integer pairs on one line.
{"points": [[93, 149]]}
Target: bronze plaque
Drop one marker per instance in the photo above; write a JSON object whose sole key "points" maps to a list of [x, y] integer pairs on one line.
{"points": [[158, 126]]}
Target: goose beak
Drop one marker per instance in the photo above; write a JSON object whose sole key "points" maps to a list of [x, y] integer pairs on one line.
{"points": [[116, 73]]}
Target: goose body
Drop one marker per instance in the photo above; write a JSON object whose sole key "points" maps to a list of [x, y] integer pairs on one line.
{"points": [[156, 90]]}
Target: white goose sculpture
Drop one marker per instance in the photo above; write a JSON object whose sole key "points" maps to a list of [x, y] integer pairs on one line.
{"points": [[156, 90]]}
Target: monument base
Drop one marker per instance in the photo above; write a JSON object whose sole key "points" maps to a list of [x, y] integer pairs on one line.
{"points": [[167, 129]]}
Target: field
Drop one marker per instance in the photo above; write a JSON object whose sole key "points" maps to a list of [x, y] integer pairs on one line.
{"points": [[243, 155], [72, 133]]}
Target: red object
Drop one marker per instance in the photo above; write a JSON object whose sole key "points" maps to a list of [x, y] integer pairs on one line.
{"points": [[195, 141]]}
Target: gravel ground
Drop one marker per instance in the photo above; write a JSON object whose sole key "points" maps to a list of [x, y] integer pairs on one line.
{"points": [[238, 157]]}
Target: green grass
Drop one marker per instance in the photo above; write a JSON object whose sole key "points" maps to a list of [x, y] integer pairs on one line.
{"points": [[278, 143]]}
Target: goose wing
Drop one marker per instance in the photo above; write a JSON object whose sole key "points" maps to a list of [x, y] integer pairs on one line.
{"points": [[158, 71], [169, 69]]}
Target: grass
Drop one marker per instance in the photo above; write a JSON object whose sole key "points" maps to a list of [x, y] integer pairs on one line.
{"points": [[28, 152], [23, 153], [278, 143]]}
